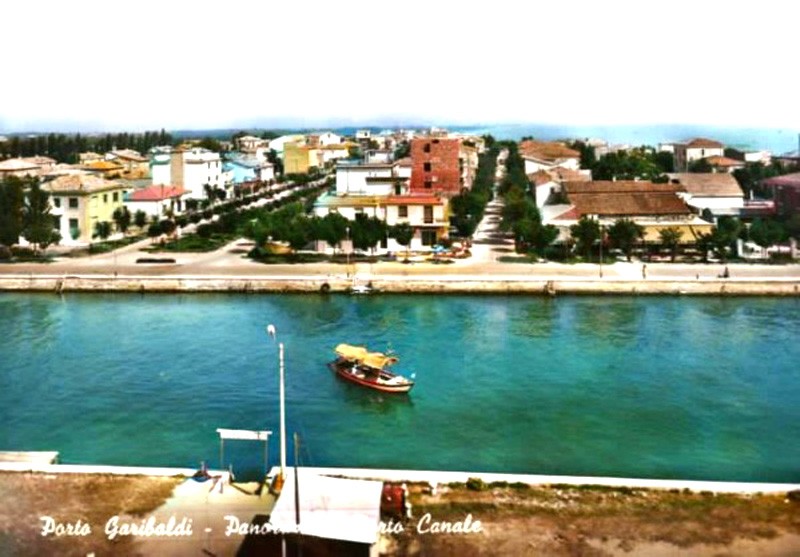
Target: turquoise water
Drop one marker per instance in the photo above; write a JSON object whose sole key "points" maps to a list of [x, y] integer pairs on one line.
{"points": [[700, 388]]}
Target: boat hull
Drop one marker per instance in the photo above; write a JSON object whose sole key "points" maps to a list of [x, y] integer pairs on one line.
{"points": [[372, 379]]}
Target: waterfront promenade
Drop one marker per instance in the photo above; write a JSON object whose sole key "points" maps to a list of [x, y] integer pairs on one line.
{"points": [[227, 269]]}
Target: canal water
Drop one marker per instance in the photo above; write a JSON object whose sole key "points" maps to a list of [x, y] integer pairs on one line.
{"points": [[672, 387]]}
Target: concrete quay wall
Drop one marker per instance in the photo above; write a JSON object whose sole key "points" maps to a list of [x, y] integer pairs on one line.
{"points": [[441, 284]]}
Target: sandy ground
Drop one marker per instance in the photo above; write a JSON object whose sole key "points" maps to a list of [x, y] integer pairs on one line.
{"points": [[576, 521], [511, 519]]}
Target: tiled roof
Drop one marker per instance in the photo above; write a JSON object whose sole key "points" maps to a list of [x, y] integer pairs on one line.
{"points": [[625, 199], [791, 180], [40, 160], [80, 183], [540, 177], [547, 150], [716, 160], [14, 165], [703, 143], [157, 193], [621, 186], [708, 184], [129, 154]]}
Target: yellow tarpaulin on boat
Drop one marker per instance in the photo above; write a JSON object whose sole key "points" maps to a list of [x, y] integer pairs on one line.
{"points": [[351, 352], [360, 354]]}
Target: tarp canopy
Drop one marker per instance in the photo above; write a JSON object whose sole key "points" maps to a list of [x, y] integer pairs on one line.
{"points": [[361, 355], [333, 508]]}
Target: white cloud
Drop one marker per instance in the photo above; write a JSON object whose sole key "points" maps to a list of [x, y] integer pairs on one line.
{"points": [[188, 64]]}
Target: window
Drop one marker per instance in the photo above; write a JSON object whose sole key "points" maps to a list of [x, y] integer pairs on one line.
{"points": [[105, 198], [56, 202], [73, 202], [74, 230], [402, 211], [428, 215], [428, 237], [115, 196], [426, 167], [428, 184], [427, 148]]}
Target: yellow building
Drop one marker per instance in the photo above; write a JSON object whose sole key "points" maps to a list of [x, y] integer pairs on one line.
{"points": [[299, 158], [80, 201]]}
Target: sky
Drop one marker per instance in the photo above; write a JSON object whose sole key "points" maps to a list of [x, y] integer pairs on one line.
{"points": [[84, 65]]}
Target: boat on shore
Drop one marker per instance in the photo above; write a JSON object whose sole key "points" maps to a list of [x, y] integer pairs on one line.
{"points": [[368, 369]]}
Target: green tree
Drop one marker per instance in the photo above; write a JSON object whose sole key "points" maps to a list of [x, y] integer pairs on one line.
{"points": [[140, 218], [367, 232], [766, 233], [588, 155], [517, 206], [664, 160], [211, 144], [102, 229], [122, 218], [670, 239], [586, 232], [38, 224], [298, 233], [624, 234], [333, 229], [167, 226], [544, 238], [700, 166], [403, 234], [12, 201], [154, 230]]}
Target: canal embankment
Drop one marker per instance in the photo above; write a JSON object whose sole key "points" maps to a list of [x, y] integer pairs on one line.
{"points": [[402, 284]]}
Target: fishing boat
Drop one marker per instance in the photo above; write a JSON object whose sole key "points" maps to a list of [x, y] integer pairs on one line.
{"points": [[361, 288], [368, 369]]}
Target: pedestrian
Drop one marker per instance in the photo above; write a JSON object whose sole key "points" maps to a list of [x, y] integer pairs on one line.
{"points": [[644, 271], [726, 273]]}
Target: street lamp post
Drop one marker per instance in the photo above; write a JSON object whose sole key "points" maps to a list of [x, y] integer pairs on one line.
{"points": [[271, 331], [347, 256], [601, 251]]}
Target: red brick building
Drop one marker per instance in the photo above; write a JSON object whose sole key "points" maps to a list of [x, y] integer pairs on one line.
{"points": [[437, 166]]}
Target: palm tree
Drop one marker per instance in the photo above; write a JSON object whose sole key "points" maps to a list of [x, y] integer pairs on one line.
{"points": [[624, 234], [586, 232], [671, 238]]}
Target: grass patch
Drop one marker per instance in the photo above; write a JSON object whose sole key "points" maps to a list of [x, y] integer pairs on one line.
{"points": [[111, 245], [193, 243], [290, 258]]}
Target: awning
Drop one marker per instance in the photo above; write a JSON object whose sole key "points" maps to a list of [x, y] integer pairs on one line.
{"points": [[331, 508]]}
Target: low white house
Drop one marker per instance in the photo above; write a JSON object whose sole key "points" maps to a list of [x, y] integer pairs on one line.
{"points": [[156, 201], [696, 149], [719, 192], [545, 155]]}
